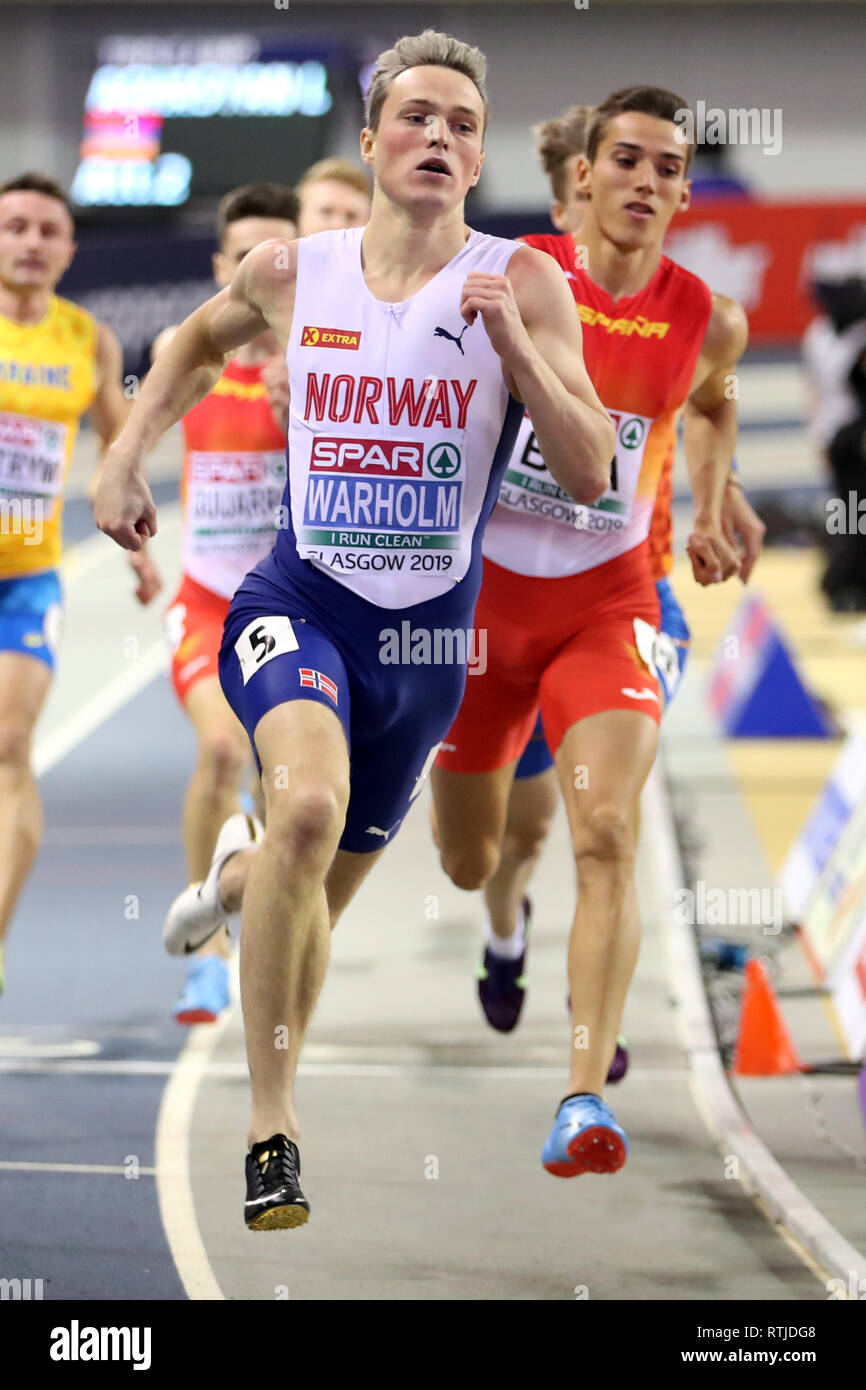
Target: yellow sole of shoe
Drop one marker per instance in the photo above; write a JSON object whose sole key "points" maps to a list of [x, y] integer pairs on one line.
{"points": [[280, 1219]]}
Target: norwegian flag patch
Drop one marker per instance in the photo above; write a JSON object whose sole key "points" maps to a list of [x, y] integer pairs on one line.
{"points": [[316, 680]]}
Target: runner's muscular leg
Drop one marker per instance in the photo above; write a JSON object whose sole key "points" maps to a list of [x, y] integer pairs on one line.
{"points": [[469, 816], [531, 807], [345, 876], [24, 684], [285, 927], [617, 749]]}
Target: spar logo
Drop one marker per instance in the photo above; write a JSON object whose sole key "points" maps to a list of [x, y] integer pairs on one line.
{"points": [[443, 460], [330, 337], [402, 457], [631, 432]]}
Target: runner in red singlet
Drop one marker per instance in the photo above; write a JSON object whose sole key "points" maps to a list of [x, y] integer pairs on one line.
{"points": [[568, 602], [534, 793]]}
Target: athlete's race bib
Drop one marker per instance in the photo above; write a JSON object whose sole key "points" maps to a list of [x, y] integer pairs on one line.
{"points": [[383, 504], [529, 488], [232, 502], [32, 460]]}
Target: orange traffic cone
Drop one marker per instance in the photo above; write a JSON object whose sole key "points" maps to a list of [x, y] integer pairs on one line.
{"points": [[764, 1045]]}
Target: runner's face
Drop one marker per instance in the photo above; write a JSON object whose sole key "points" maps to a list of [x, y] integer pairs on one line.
{"points": [[430, 113], [327, 205], [36, 241], [241, 237], [638, 180]]}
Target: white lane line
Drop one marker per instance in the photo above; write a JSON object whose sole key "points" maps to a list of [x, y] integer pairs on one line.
{"points": [[173, 1185], [8, 1166], [123, 687], [360, 1070], [822, 1248]]}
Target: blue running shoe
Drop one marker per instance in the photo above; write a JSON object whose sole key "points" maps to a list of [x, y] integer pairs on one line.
{"points": [[206, 993], [585, 1139], [502, 983]]}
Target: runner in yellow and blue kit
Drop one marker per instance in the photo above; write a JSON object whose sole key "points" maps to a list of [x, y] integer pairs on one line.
{"points": [[56, 362]]}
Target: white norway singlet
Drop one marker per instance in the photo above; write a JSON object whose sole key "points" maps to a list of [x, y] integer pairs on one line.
{"points": [[396, 419]]}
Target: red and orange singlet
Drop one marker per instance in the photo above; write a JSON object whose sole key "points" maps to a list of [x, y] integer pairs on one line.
{"points": [[640, 352]]}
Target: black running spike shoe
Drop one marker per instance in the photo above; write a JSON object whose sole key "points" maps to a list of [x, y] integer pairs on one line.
{"points": [[502, 983], [274, 1197]]}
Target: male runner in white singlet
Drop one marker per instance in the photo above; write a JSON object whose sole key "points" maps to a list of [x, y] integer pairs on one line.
{"points": [[410, 348], [234, 452]]}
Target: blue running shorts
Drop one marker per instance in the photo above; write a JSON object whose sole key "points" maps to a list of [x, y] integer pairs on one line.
{"points": [[31, 613], [393, 677]]}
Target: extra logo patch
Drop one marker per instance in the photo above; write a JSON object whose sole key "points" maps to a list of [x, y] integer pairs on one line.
{"points": [[262, 640], [317, 680], [330, 337]]}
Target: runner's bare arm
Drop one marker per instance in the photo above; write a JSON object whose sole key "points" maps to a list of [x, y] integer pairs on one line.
{"points": [[532, 322], [201, 382], [742, 526], [109, 408], [710, 437], [233, 316], [259, 297]]}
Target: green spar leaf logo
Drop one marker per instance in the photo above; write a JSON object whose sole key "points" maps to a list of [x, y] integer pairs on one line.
{"points": [[443, 460], [631, 433]]}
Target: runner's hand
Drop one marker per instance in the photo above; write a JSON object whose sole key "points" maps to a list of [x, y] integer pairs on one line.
{"points": [[492, 296], [276, 378], [149, 577], [713, 558], [123, 507], [743, 528]]}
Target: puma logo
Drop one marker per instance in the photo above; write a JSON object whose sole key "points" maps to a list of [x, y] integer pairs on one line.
{"points": [[443, 333], [374, 829]]}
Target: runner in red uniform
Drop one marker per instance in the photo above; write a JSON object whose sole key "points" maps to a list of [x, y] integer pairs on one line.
{"points": [[534, 793], [568, 601]]}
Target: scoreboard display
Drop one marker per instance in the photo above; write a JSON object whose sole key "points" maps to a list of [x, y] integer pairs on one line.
{"points": [[169, 120]]}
